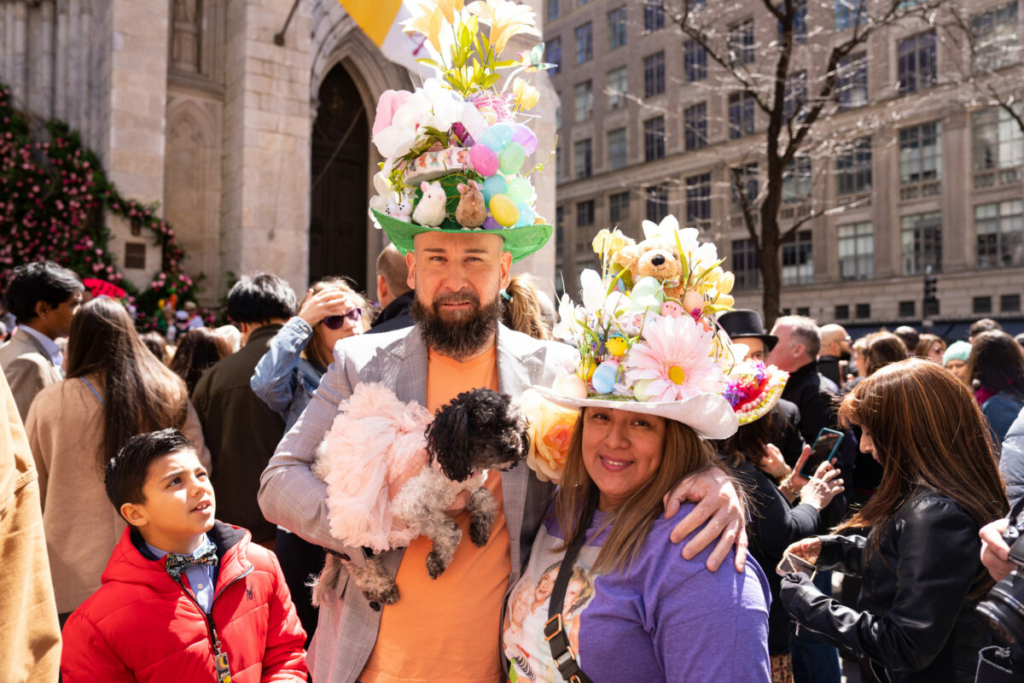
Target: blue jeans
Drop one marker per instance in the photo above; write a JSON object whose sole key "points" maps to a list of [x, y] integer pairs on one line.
{"points": [[814, 661]]}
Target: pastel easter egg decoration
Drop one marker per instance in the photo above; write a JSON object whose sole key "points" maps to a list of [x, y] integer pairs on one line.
{"points": [[604, 377], [494, 185], [503, 133], [525, 137], [571, 386], [484, 160], [647, 294], [587, 370], [519, 190], [512, 158], [616, 346], [491, 224], [640, 391], [504, 210], [693, 301], [526, 214]]}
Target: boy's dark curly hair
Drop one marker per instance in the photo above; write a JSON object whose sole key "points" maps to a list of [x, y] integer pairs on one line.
{"points": [[479, 429]]}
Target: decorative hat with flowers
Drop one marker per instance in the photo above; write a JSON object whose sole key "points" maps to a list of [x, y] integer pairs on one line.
{"points": [[646, 345], [454, 149], [753, 388]]}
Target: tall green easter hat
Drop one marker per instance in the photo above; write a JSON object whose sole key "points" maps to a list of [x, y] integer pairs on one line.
{"points": [[455, 150]]}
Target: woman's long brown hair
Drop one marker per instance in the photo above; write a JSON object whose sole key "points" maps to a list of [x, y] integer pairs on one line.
{"points": [[928, 433], [140, 394], [685, 453]]}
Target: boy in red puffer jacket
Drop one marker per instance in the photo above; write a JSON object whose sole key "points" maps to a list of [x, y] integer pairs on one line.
{"points": [[184, 597]]}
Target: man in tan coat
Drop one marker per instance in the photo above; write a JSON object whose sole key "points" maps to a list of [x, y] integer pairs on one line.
{"points": [[30, 646], [43, 297]]}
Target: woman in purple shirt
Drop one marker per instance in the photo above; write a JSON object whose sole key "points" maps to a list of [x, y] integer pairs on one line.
{"points": [[634, 608]]}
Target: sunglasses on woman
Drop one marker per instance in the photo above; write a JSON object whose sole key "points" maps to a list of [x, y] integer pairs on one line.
{"points": [[334, 322]]}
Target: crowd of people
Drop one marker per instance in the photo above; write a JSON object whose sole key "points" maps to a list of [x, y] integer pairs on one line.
{"points": [[135, 443]]}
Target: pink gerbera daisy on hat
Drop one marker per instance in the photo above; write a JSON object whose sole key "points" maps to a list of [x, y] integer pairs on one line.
{"points": [[673, 362]]}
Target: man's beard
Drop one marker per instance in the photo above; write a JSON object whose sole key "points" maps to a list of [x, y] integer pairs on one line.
{"points": [[461, 338]]}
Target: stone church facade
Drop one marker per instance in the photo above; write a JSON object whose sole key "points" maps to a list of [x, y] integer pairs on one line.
{"points": [[253, 137]]}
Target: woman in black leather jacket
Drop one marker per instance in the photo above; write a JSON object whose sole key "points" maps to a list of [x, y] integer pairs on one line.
{"points": [[920, 561]]}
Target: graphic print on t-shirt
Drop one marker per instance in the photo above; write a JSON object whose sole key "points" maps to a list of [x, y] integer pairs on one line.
{"points": [[523, 630]]}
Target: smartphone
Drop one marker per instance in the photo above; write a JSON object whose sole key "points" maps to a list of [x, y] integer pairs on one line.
{"points": [[792, 563], [825, 448]]}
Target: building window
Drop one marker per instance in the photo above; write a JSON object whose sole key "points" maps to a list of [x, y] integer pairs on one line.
{"points": [[657, 203], [915, 66], [618, 208], [852, 81], [1000, 230], [741, 42], [618, 87], [584, 101], [853, 168], [584, 43], [747, 178], [695, 122], [856, 251], [921, 236], [558, 113], [842, 312], [585, 213], [863, 311], [798, 259], [981, 304], [695, 59], [553, 54], [799, 21], [553, 10], [849, 13], [794, 104], [584, 159], [560, 229], [617, 28], [908, 309], [741, 115], [654, 74], [654, 138], [558, 164], [1009, 303], [996, 44], [797, 180], [744, 264], [998, 142], [698, 200], [617, 149], [135, 255], [921, 153], [654, 15]]}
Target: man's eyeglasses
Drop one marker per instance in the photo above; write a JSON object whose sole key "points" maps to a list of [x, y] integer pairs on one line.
{"points": [[334, 322]]}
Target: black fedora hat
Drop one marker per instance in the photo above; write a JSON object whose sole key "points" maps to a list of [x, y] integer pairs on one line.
{"points": [[746, 323]]}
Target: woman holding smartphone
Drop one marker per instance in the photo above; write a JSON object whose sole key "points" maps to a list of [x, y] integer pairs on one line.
{"points": [[775, 523], [919, 559]]}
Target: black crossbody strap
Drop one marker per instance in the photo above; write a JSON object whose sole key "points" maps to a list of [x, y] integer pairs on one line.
{"points": [[554, 629]]}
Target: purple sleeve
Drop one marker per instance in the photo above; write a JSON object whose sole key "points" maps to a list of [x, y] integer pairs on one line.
{"points": [[705, 625]]}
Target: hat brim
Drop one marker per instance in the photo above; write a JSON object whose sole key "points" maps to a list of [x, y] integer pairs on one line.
{"points": [[520, 242], [709, 415]]}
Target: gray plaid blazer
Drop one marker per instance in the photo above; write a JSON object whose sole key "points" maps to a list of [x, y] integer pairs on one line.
{"points": [[292, 497]]}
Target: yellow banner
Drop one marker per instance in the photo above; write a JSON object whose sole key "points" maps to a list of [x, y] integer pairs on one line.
{"points": [[375, 17]]}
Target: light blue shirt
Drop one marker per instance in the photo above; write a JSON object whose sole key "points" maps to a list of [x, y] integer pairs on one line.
{"points": [[201, 577], [52, 350]]}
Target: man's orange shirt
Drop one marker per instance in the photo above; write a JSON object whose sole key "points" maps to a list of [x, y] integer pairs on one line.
{"points": [[447, 629]]}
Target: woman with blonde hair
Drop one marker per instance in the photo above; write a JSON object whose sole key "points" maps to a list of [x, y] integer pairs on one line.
{"points": [[918, 548], [524, 308], [285, 380], [115, 389]]}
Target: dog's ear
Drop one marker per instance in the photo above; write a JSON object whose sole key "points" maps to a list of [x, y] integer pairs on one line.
{"points": [[448, 440]]}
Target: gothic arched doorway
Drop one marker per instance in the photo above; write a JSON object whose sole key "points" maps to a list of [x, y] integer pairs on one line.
{"points": [[337, 229]]}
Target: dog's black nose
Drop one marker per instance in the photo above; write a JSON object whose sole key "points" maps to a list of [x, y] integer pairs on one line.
{"points": [[658, 260]]}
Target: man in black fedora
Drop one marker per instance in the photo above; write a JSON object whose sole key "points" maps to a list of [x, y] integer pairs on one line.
{"points": [[744, 326]]}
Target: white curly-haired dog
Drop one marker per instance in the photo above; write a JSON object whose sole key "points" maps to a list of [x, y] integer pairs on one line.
{"points": [[391, 473]]}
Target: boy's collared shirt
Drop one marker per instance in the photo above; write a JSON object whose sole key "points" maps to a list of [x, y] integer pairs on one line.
{"points": [[202, 578], [53, 351]]}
